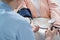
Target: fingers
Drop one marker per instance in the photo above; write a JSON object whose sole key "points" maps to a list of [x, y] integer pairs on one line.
{"points": [[55, 31], [51, 32], [36, 28]]}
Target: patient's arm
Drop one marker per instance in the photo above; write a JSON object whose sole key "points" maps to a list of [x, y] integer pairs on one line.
{"points": [[44, 8], [31, 7]]}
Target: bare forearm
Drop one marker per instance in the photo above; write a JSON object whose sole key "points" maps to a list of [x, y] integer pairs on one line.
{"points": [[32, 8]]}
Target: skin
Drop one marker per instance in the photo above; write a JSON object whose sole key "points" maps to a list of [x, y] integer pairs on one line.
{"points": [[31, 7], [15, 4], [44, 8], [49, 34]]}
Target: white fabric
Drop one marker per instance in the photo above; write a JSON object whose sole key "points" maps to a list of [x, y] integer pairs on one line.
{"points": [[42, 22]]}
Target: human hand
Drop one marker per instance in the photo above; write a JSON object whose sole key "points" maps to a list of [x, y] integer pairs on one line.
{"points": [[49, 34], [36, 28]]}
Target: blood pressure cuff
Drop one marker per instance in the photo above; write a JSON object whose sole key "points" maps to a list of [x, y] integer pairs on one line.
{"points": [[25, 12]]}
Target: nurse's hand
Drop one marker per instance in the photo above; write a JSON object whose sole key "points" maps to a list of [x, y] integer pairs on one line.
{"points": [[49, 34], [36, 29]]}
